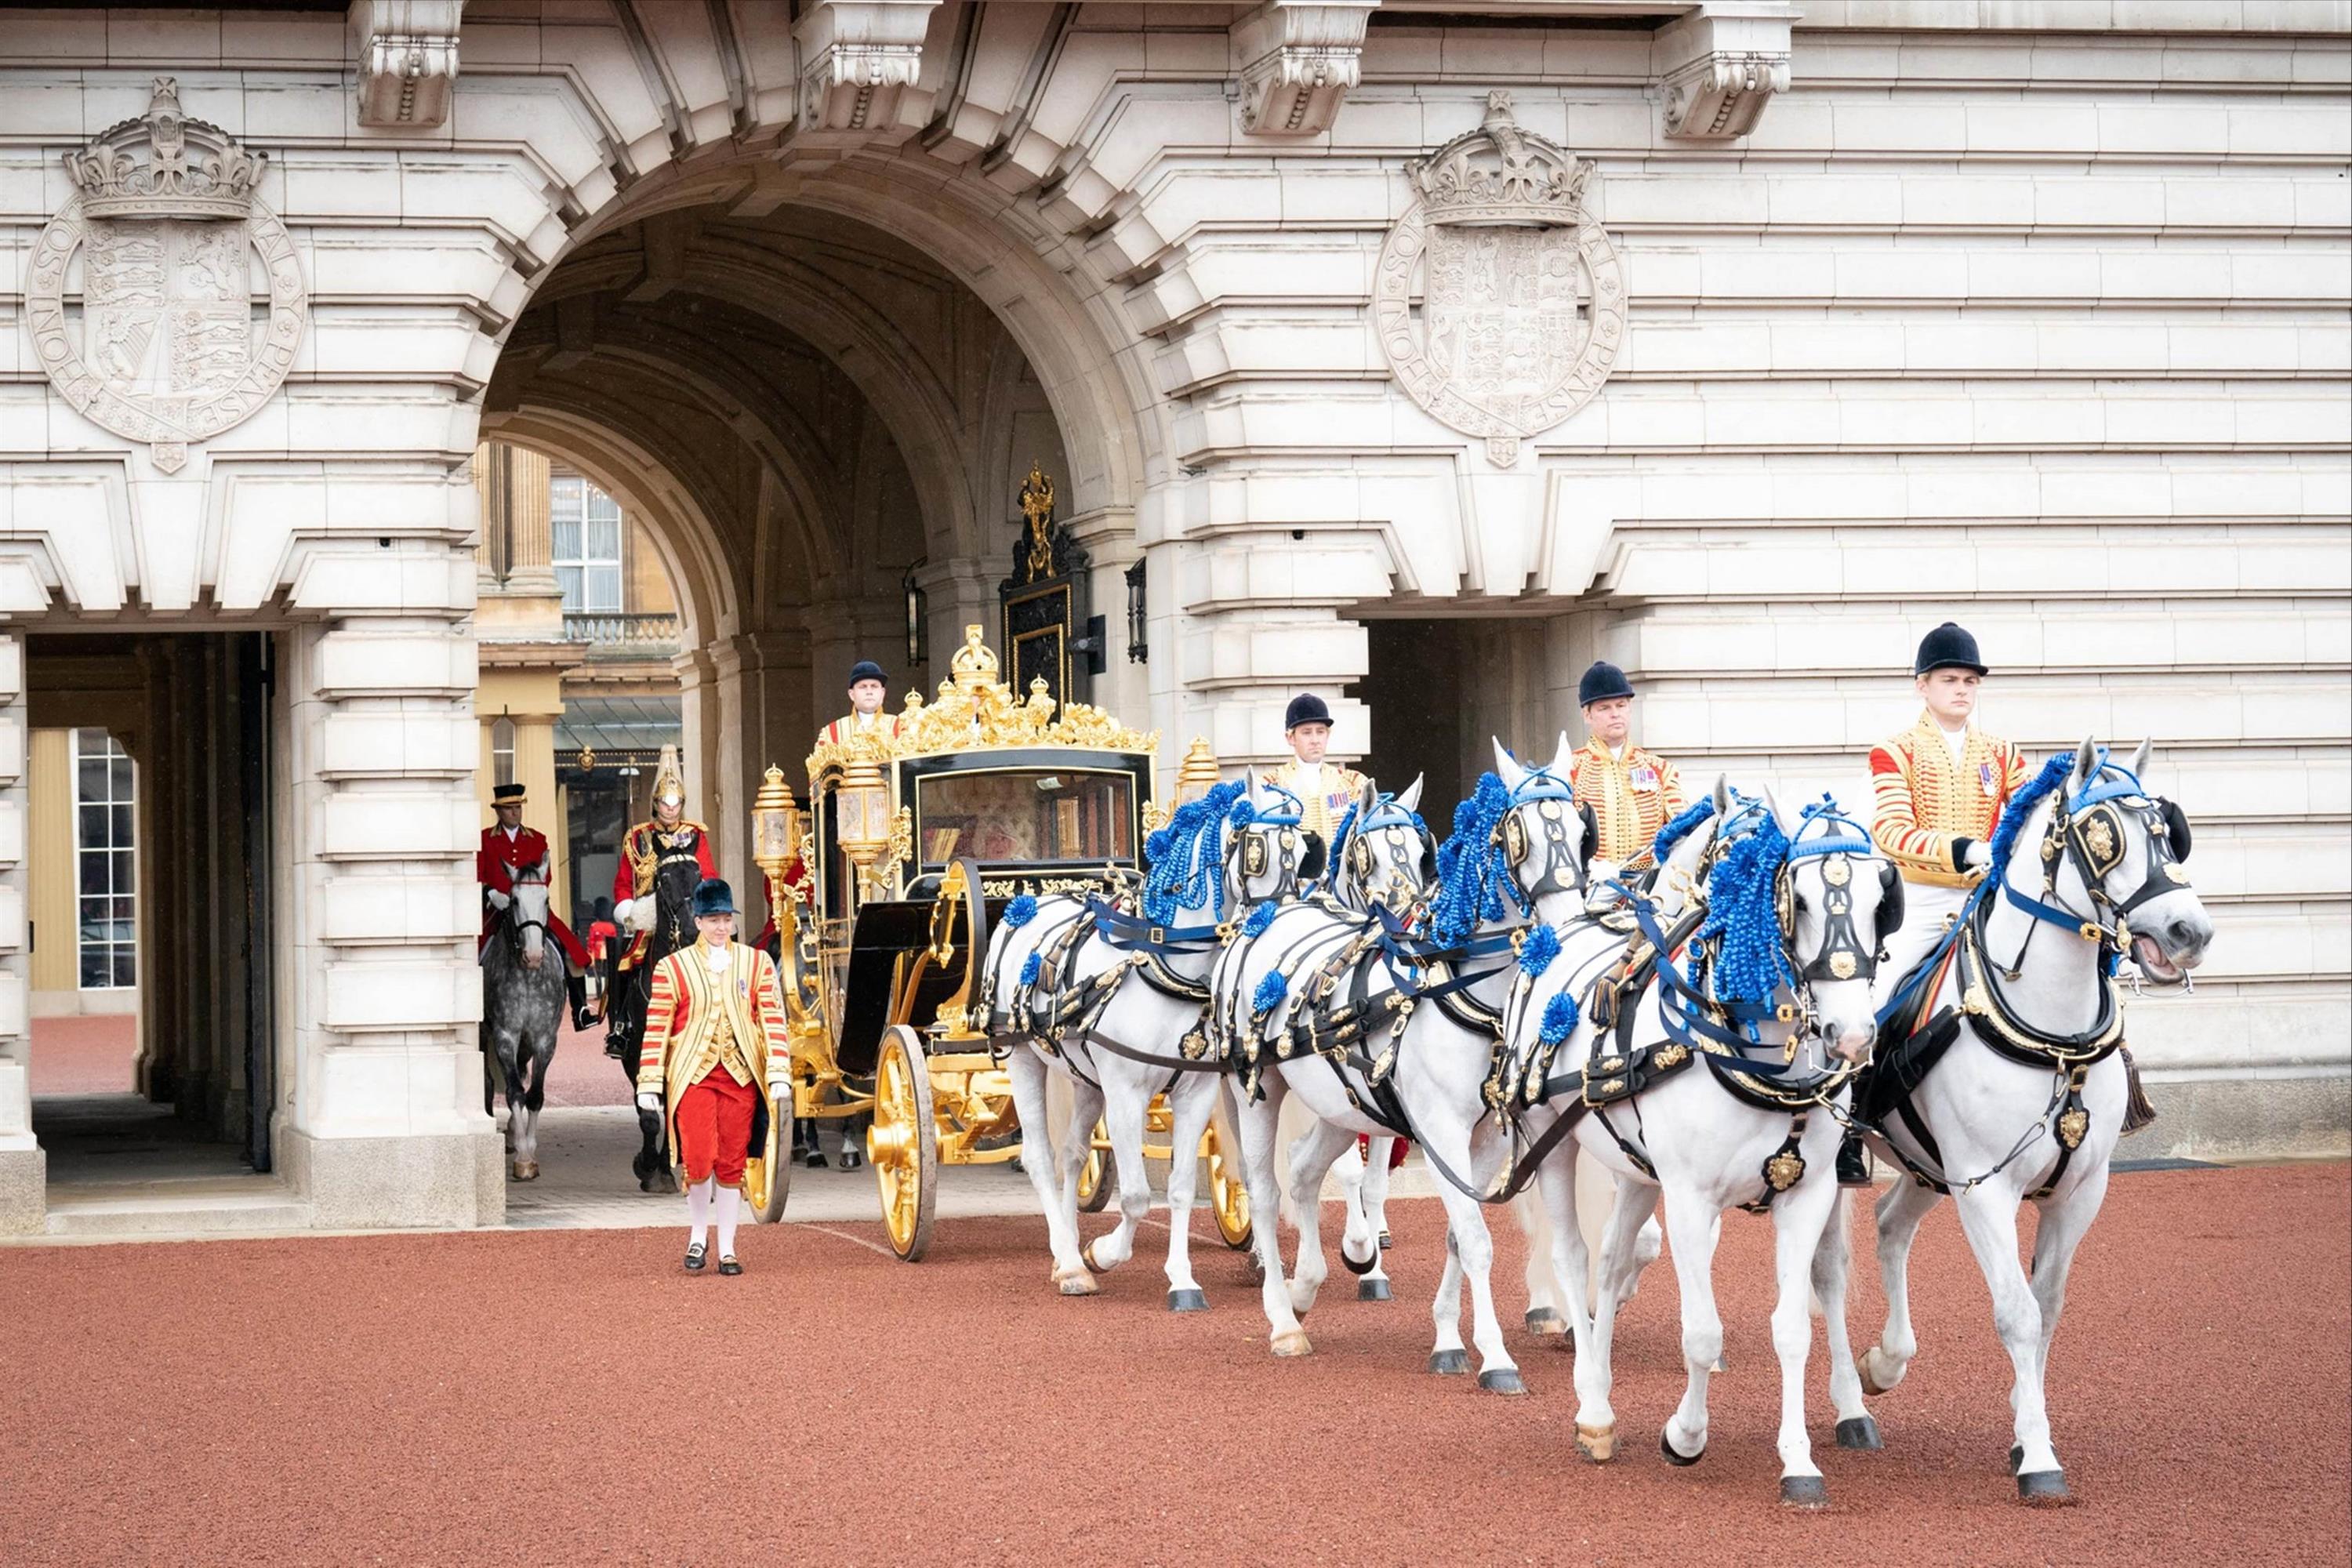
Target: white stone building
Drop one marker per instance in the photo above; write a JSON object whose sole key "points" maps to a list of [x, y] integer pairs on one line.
{"points": [[1810, 325]]}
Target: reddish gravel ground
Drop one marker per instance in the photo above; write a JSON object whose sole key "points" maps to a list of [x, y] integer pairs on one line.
{"points": [[84, 1056], [568, 1397]]}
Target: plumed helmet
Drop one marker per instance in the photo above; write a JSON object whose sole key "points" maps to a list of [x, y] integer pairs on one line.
{"points": [[669, 784], [1601, 682], [713, 897], [1304, 709], [1948, 646], [867, 670]]}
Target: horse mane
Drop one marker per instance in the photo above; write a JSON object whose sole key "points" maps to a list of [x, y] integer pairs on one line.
{"points": [[1751, 961], [2023, 804], [1183, 855], [1470, 875]]}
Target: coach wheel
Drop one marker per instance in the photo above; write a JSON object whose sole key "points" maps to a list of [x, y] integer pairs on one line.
{"points": [[1228, 1196], [1093, 1176], [779, 1164], [904, 1143]]}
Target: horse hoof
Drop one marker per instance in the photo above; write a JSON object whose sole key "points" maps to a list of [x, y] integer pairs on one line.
{"points": [[2016, 1457], [1450, 1363], [1858, 1432], [1292, 1342], [1666, 1447], [1387, 1241], [1598, 1444], [1080, 1283], [1546, 1321], [1372, 1291], [650, 1184], [1366, 1267], [1187, 1302], [2044, 1488], [1086, 1253], [526, 1170], [1502, 1380], [1804, 1491], [1872, 1385]]}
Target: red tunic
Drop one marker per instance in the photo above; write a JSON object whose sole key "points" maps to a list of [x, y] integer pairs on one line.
{"points": [[495, 865], [641, 858]]}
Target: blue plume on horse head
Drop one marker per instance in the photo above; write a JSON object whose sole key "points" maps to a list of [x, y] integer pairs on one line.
{"points": [[1751, 958], [1674, 832], [2021, 805], [1471, 873], [1184, 856]]}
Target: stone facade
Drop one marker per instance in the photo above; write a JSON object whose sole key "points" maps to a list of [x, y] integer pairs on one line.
{"points": [[2032, 313]]}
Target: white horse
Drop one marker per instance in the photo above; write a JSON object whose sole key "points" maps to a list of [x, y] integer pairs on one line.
{"points": [[1781, 982], [1319, 1003], [2027, 1102], [522, 1011], [1109, 1003]]}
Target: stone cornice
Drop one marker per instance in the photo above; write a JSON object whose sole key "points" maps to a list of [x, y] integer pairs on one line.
{"points": [[407, 57], [858, 59]]}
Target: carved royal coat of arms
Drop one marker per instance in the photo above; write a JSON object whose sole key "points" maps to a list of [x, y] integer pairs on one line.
{"points": [[1521, 297], [160, 252]]}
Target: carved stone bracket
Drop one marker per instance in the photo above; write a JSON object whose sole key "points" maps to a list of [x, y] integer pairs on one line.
{"points": [[407, 52], [1302, 59], [1717, 67], [857, 59]]}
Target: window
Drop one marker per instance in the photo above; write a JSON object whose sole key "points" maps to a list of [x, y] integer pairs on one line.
{"points": [[586, 525], [105, 865], [502, 751]]}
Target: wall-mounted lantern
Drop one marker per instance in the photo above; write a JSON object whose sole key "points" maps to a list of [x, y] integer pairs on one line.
{"points": [[1136, 626]]}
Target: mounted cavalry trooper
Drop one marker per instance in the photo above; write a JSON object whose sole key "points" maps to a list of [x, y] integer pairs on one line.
{"points": [[508, 847], [868, 686], [719, 1054], [1325, 790], [1632, 792], [1938, 788], [654, 921]]}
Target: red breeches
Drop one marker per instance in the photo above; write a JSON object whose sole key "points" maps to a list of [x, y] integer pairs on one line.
{"points": [[714, 1128]]}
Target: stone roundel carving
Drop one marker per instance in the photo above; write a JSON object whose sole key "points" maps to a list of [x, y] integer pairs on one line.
{"points": [[1522, 297], [166, 229]]}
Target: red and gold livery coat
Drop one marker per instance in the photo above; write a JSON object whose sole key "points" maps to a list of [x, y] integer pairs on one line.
{"points": [[496, 861], [685, 1002], [644, 848], [1632, 796], [1924, 811]]}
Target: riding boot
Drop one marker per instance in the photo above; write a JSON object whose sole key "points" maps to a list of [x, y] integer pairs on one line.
{"points": [[576, 986], [1852, 1162]]}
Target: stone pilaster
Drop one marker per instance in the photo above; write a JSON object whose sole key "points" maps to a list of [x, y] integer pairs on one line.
{"points": [[23, 1166]]}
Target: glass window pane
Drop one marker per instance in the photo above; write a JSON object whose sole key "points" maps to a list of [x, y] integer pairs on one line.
{"points": [[93, 874], [96, 969], [119, 777], [568, 579], [564, 539], [563, 496], [126, 966], [124, 871], [89, 776], [93, 827], [602, 506], [119, 825], [604, 539], [603, 588]]}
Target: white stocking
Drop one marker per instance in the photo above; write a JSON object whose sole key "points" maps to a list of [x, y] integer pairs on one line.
{"points": [[698, 1211], [731, 1203]]}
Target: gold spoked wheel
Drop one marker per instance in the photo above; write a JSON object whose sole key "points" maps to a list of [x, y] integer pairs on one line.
{"points": [[1093, 1176], [1228, 1197], [904, 1143], [779, 1165]]}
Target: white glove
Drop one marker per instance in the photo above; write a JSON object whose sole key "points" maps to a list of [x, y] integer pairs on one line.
{"points": [[649, 1099], [1978, 855], [780, 1090], [499, 901], [621, 912]]}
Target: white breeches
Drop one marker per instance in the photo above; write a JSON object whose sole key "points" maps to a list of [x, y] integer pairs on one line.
{"points": [[1926, 913]]}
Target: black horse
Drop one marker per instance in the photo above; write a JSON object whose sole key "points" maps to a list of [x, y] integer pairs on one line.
{"points": [[675, 880]]}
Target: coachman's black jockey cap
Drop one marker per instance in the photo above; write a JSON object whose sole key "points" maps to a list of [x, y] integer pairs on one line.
{"points": [[713, 897], [867, 670], [1948, 646], [1304, 709], [1601, 682]]}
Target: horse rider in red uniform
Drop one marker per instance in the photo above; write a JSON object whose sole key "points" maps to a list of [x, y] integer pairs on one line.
{"points": [[719, 1056], [509, 847], [663, 838]]}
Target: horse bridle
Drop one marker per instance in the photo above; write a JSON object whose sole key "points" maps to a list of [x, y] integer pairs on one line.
{"points": [[513, 926], [1556, 806], [1396, 826], [1843, 955], [1289, 839], [2088, 831]]}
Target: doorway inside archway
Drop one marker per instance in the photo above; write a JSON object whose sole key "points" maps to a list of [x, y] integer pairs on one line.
{"points": [[153, 892]]}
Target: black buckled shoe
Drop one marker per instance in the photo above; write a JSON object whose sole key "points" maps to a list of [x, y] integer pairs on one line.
{"points": [[694, 1256], [728, 1265], [1852, 1162]]}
